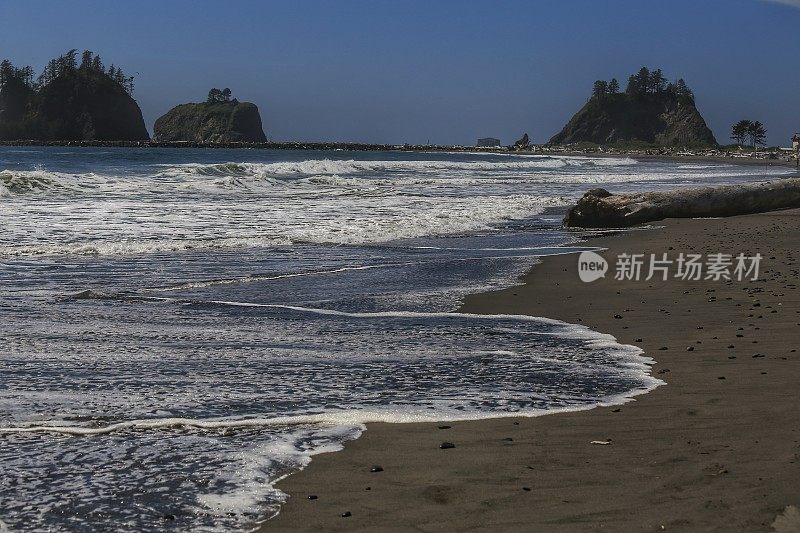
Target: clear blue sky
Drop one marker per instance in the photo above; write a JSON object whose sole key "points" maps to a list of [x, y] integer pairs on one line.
{"points": [[444, 71]]}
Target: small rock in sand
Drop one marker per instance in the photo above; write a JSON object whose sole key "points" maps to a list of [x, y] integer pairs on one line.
{"points": [[376, 468], [447, 445]]}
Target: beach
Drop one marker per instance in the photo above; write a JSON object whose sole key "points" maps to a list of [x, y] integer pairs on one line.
{"points": [[717, 447], [240, 313]]}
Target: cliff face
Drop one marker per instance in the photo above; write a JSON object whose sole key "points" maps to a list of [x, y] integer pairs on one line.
{"points": [[211, 122], [661, 119], [77, 105]]}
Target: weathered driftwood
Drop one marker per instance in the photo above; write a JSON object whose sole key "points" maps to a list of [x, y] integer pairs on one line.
{"points": [[600, 209]]}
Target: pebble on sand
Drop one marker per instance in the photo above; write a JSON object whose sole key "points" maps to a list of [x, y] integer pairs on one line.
{"points": [[376, 468], [447, 445]]}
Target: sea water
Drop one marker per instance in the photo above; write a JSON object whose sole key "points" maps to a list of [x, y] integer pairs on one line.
{"points": [[182, 328]]}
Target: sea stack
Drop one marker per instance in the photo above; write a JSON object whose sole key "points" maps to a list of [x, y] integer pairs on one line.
{"points": [[650, 111], [69, 102], [217, 120]]}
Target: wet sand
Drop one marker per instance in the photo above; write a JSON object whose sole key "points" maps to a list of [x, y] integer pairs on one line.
{"points": [[716, 448]]}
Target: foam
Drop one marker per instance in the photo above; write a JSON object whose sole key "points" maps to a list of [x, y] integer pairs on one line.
{"points": [[628, 356]]}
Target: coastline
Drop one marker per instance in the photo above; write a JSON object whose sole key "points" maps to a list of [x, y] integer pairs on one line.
{"points": [[367, 147], [717, 447]]}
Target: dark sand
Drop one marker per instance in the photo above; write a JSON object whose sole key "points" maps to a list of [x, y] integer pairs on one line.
{"points": [[699, 453]]}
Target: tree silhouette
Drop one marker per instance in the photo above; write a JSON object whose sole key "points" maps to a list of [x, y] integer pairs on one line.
{"points": [[613, 86], [214, 96], [740, 130], [97, 64], [600, 89], [61, 65], [757, 134], [86, 60]]}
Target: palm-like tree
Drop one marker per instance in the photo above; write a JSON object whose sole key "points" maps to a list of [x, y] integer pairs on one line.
{"points": [[740, 130], [757, 133]]}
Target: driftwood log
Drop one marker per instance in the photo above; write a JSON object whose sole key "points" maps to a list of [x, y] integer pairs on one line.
{"points": [[598, 208]]}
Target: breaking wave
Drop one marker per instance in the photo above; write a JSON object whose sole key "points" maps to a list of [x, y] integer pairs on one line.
{"points": [[317, 167]]}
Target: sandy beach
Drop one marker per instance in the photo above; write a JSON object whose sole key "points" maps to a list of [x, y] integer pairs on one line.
{"points": [[715, 448]]}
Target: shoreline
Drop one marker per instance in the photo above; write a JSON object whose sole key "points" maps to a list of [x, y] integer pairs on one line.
{"points": [[368, 147], [714, 448]]}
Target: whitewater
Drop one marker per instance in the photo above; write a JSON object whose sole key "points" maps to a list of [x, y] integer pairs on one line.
{"points": [[183, 328]]}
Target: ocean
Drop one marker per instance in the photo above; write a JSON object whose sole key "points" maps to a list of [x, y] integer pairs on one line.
{"points": [[182, 328]]}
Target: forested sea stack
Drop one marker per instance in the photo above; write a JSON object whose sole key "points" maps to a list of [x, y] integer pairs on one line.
{"points": [[650, 111], [219, 119], [69, 101]]}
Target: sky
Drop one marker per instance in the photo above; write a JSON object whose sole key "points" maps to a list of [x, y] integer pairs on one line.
{"points": [[445, 72]]}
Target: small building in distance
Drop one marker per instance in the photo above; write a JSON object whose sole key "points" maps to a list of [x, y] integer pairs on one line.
{"points": [[489, 142], [796, 141]]}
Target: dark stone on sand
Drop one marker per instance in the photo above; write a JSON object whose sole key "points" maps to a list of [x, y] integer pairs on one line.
{"points": [[376, 468], [346, 514], [169, 517], [690, 348], [447, 445], [445, 427], [526, 489], [617, 316], [624, 210], [312, 496]]}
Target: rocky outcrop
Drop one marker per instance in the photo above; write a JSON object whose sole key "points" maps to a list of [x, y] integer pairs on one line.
{"points": [[215, 122], [656, 119], [598, 208], [77, 105], [650, 111], [523, 144]]}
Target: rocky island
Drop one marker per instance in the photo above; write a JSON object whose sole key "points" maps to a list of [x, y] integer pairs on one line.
{"points": [[650, 111], [69, 101], [220, 119]]}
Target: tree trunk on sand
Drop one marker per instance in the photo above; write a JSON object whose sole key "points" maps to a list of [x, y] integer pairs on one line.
{"points": [[600, 209]]}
